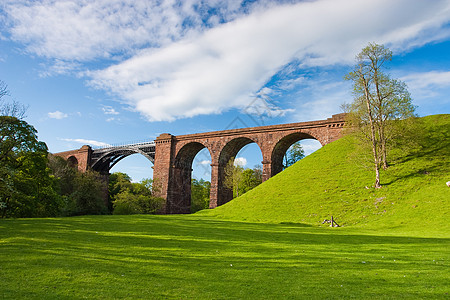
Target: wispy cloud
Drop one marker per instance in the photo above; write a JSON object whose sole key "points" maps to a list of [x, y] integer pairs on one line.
{"points": [[57, 115], [426, 80], [87, 142], [109, 110]]}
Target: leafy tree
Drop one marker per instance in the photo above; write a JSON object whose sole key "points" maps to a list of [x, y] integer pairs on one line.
{"points": [[118, 182], [379, 101], [133, 198], [26, 189], [293, 155], [88, 196], [200, 190], [241, 180], [83, 193], [233, 177]]}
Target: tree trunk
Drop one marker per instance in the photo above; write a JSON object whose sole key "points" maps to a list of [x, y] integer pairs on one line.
{"points": [[372, 134]]}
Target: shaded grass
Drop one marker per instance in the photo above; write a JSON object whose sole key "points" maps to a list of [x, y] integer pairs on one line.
{"points": [[187, 257]]}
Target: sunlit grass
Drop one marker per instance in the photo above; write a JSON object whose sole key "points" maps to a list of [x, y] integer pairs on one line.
{"points": [[331, 182], [186, 257], [267, 244]]}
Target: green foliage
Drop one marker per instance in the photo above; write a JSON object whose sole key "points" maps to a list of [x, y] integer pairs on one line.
{"points": [[241, 180], [293, 155], [83, 193], [88, 196], [330, 182], [379, 100], [133, 198], [26, 188], [250, 179], [200, 190]]}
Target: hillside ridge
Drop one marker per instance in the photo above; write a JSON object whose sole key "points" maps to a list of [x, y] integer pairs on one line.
{"points": [[332, 182]]}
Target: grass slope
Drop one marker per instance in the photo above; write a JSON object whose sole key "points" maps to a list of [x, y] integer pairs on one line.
{"points": [[331, 183]]}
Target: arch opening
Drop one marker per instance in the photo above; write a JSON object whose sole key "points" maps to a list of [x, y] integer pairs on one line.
{"points": [[129, 174], [308, 143], [234, 152], [179, 201], [201, 181], [72, 161]]}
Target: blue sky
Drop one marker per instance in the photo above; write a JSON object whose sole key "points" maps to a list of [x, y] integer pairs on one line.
{"points": [[115, 71]]}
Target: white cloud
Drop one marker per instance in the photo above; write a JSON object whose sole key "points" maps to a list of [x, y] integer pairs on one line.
{"points": [[427, 80], [109, 110], [184, 62], [204, 162], [221, 68], [240, 161], [85, 30], [57, 115], [87, 142]]}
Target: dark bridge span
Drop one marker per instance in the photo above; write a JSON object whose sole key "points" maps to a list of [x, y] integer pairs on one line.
{"points": [[173, 156]]}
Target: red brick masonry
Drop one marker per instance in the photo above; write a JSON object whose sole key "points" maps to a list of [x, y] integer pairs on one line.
{"points": [[174, 156]]}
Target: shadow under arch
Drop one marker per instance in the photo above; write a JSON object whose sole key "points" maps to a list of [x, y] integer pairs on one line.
{"points": [[179, 200], [229, 152], [72, 161], [282, 146]]}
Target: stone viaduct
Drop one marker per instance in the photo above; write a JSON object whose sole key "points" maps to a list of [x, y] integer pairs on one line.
{"points": [[173, 156]]}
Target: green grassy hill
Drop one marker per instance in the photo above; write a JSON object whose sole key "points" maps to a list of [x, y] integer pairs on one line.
{"points": [[331, 182]]}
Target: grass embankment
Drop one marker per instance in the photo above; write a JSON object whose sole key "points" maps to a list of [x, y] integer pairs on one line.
{"points": [[188, 257], [331, 182]]}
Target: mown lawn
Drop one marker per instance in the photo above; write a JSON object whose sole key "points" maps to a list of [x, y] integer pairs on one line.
{"points": [[192, 257]]}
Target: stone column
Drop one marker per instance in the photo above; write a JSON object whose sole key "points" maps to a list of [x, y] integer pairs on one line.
{"points": [[162, 168], [214, 192], [267, 169]]}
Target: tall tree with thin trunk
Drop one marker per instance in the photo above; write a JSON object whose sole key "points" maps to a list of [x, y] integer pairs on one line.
{"points": [[379, 101]]}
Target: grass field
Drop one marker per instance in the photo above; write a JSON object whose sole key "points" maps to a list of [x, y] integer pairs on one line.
{"points": [[267, 244], [187, 257]]}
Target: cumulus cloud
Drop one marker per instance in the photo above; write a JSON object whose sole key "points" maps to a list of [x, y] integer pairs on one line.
{"points": [[87, 142], [85, 30], [240, 161], [57, 115], [204, 162], [221, 68], [184, 61]]}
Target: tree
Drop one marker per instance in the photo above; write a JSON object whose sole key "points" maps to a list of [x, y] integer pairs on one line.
{"points": [[233, 177], [133, 198], [200, 190], [379, 101], [250, 179], [241, 180], [88, 196], [13, 109], [26, 188], [293, 155]]}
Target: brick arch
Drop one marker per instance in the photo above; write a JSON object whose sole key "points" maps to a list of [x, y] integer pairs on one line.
{"points": [[282, 145], [228, 152], [180, 198], [72, 161]]}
